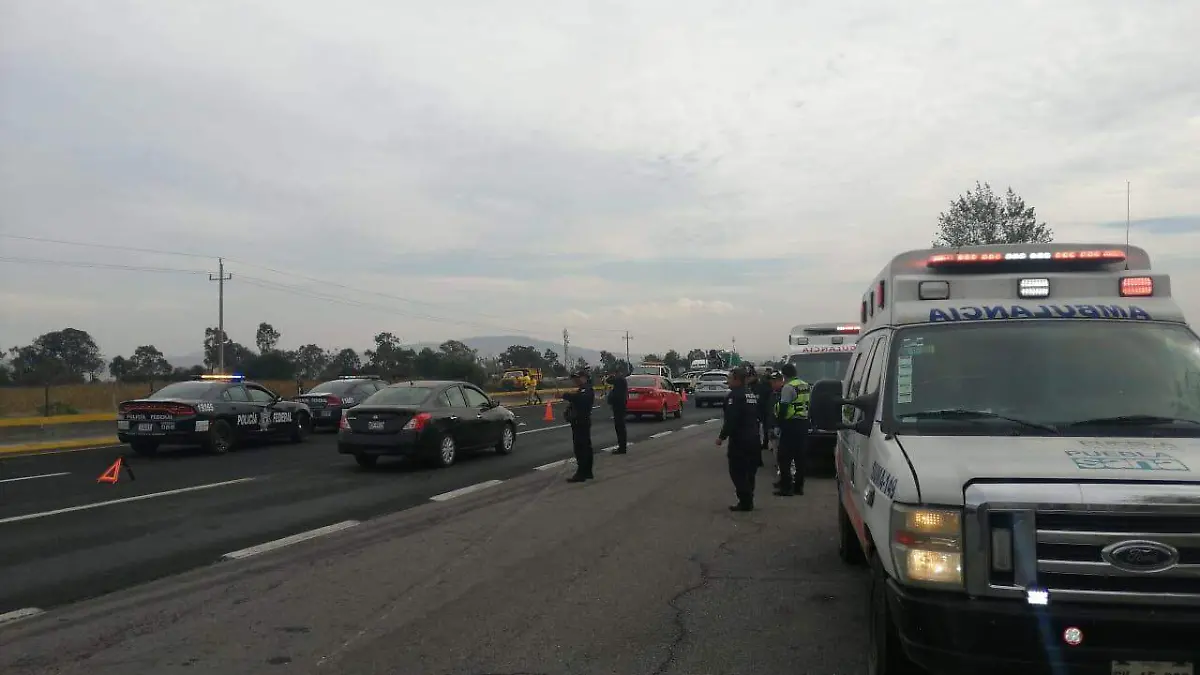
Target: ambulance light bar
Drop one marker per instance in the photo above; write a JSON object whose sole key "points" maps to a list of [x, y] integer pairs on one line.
{"points": [[1034, 288], [1137, 287], [849, 329], [954, 259]]}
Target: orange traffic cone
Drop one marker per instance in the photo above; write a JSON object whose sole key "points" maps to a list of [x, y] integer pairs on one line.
{"points": [[549, 416]]}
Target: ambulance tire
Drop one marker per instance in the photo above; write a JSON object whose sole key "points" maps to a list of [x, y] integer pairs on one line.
{"points": [[885, 654], [849, 548]]}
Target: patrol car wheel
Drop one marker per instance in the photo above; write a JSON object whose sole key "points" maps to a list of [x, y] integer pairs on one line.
{"points": [[301, 425], [220, 438], [885, 655], [447, 451], [507, 438], [849, 548]]}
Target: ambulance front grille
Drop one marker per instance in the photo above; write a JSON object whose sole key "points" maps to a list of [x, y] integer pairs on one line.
{"points": [[1122, 543]]}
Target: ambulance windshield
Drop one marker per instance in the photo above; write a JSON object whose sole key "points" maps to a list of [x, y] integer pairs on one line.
{"points": [[815, 367], [1082, 378]]}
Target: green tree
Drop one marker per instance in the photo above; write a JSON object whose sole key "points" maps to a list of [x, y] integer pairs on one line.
{"points": [[983, 217], [148, 363], [236, 355], [344, 362], [674, 361], [310, 361], [696, 354], [389, 358], [118, 367], [522, 356], [64, 356], [266, 338]]}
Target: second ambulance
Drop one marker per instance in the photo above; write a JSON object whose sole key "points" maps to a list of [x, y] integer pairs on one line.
{"points": [[1018, 463]]}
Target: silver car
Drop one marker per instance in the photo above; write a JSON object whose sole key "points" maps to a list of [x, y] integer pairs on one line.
{"points": [[712, 388]]}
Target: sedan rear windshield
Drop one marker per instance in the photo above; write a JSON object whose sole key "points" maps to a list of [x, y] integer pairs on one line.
{"points": [[188, 391], [642, 381], [402, 395], [337, 387], [714, 377]]}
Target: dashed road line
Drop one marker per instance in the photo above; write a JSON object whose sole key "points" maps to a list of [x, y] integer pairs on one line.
{"points": [[689, 426], [534, 431], [661, 434], [41, 475], [554, 465], [715, 419], [465, 491], [288, 541], [125, 500], [17, 615]]}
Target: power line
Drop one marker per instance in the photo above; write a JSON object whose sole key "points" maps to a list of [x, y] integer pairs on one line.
{"points": [[90, 265], [265, 268]]}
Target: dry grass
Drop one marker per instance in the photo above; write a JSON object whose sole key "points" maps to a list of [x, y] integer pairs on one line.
{"points": [[101, 397]]}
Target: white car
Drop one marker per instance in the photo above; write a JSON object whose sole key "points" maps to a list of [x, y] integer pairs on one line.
{"points": [[712, 388]]}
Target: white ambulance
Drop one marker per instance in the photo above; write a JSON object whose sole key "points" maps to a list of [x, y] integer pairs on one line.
{"points": [[821, 351], [1019, 463]]}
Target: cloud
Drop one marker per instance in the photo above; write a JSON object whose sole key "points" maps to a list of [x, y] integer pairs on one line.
{"points": [[473, 167]]}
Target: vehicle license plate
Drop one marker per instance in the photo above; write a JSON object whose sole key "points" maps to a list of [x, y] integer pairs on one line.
{"points": [[1151, 668], [326, 413], [634, 395], [375, 426], [146, 428]]}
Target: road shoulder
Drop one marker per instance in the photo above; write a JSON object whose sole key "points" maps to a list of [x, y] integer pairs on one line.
{"points": [[641, 571]]}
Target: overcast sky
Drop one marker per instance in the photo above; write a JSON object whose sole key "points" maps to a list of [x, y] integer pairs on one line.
{"points": [[689, 170]]}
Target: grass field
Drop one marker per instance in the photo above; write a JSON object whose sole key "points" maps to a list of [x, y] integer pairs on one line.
{"points": [[100, 397]]}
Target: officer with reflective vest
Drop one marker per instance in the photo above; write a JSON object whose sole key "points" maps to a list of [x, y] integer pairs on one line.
{"points": [[791, 417]]}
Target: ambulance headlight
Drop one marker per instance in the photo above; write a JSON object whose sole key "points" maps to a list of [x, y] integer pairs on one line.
{"points": [[927, 546], [1034, 288]]}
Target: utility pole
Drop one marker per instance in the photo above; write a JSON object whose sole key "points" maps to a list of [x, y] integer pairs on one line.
{"points": [[221, 278], [566, 342], [627, 359]]}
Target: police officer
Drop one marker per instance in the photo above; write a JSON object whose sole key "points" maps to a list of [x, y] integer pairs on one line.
{"points": [[791, 414], [765, 395], [741, 430], [579, 415], [618, 400]]}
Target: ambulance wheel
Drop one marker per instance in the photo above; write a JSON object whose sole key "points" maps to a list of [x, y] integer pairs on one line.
{"points": [[849, 548], [144, 448], [885, 655]]}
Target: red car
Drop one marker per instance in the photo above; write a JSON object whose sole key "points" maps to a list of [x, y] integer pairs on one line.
{"points": [[653, 395]]}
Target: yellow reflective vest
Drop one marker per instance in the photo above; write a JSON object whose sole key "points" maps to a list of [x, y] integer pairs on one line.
{"points": [[797, 407]]}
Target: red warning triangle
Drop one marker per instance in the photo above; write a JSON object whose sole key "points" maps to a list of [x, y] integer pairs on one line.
{"points": [[111, 474]]}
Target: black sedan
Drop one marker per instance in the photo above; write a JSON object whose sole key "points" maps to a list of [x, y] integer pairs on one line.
{"points": [[431, 419], [215, 412]]}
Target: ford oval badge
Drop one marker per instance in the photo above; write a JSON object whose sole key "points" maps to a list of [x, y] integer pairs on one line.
{"points": [[1140, 556]]}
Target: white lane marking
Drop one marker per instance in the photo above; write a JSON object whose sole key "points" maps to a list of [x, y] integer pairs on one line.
{"points": [[41, 475], [522, 424], [125, 500], [534, 431], [288, 541], [715, 419], [17, 615], [661, 434], [465, 491], [689, 426], [40, 453], [613, 447], [553, 465]]}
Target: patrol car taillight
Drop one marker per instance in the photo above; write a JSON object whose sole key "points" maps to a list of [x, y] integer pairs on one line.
{"points": [[344, 424], [951, 259], [1137, 287], [332, 400]]}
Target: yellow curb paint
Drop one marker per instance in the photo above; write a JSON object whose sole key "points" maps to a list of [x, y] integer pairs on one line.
{"points": [[67, 444], [57, 419]]}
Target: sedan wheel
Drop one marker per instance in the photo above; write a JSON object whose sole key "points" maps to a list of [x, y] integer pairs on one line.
{"points": [[507, 439], [447, 452]]}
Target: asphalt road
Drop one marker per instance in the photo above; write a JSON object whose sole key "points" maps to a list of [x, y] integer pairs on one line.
{"points": [[64, 537], [642, 571]]}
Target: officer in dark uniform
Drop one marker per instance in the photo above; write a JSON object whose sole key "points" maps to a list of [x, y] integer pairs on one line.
{"points": [[618, 400], [579, 415], [741, 430], [765, 394]]}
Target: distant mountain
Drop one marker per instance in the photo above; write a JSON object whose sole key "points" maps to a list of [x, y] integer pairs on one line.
{"points": [[494, 345]]}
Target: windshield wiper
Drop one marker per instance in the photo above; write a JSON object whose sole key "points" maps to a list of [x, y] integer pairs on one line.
{"points": [[1133, 420], [964, 414]]}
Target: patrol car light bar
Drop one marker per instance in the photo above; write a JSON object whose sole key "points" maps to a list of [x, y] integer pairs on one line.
{"points": [[1137, 287], [951, 259], [223, 378]]}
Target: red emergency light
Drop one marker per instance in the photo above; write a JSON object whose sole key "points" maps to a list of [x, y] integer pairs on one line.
{"points": [[953, 259], [855, 330]]}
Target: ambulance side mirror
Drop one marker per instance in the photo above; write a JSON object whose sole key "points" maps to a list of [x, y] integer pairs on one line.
{"points": [[825, 408]]}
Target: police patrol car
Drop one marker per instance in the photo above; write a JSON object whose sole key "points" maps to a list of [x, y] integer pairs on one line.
{"points": [[212, 411], [821, 351], [1019, 462], [328, 400]]}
